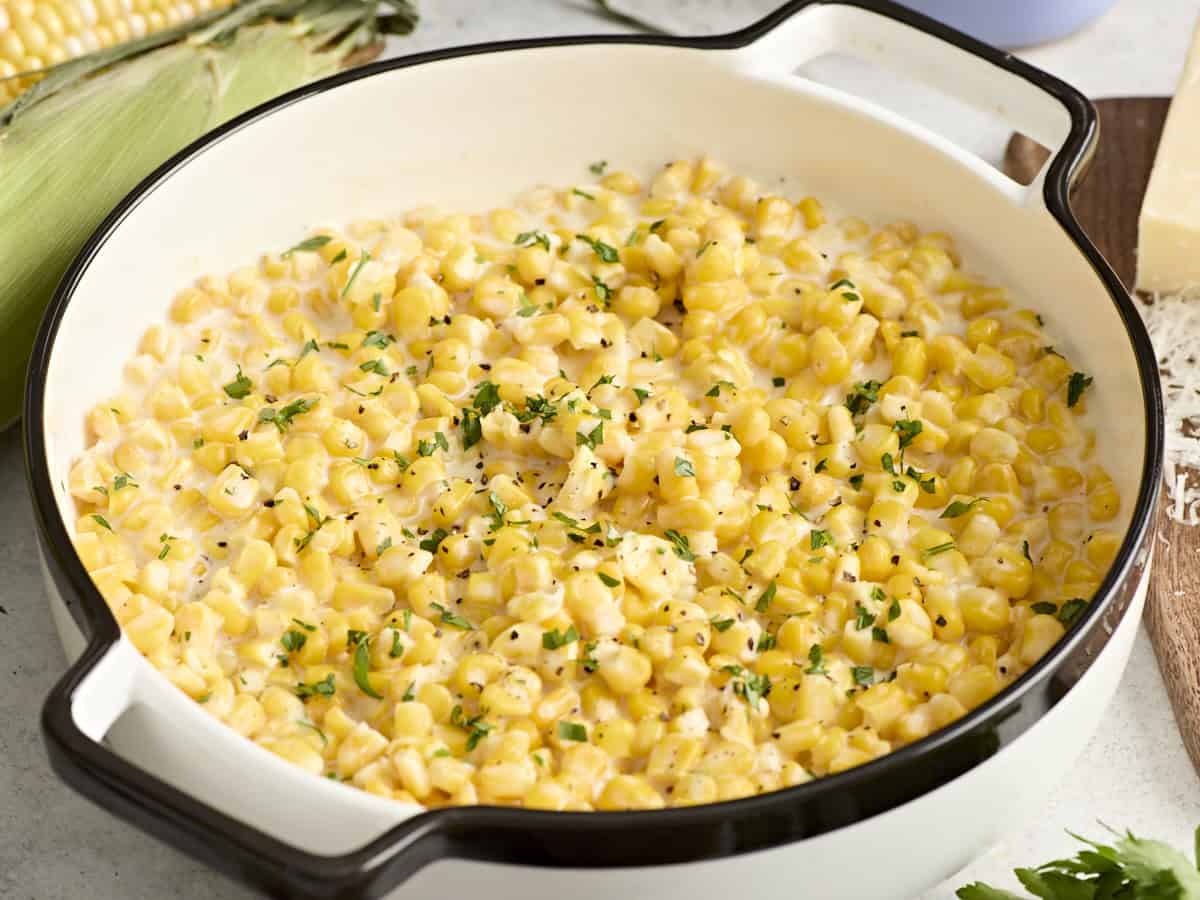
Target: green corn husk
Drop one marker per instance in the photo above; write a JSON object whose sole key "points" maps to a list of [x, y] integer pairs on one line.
{"points": [[75, 146]]}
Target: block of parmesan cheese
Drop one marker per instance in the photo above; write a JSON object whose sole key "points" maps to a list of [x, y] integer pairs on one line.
{"points": [[1169, 227]]}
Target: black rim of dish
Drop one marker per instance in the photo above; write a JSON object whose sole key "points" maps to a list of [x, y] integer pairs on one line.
{"points": [[516, 835]]}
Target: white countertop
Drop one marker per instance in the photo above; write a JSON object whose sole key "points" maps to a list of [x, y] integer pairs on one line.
{"points": [[1134, 774]]}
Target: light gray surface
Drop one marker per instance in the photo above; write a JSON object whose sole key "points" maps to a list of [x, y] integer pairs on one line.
{"points": [[56, 846]]}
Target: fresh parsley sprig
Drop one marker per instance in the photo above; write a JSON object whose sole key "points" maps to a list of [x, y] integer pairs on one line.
{"points": [[1131, 868]]}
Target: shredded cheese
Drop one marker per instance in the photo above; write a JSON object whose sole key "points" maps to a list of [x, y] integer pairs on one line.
{"points": [[1174, 326]]}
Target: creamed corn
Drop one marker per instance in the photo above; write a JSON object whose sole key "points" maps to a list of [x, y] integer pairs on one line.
{"points": [[625, 497]]}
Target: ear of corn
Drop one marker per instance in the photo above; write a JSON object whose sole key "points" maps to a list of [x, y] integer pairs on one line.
{"points": [[68, 159], [38, 34]]}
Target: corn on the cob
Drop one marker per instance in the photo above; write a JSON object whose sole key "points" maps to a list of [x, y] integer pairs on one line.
{"points": [[73, 148], [38, 34]]}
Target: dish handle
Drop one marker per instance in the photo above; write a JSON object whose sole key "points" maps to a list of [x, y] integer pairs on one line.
{"points": [[895, 38], [107, 681]]}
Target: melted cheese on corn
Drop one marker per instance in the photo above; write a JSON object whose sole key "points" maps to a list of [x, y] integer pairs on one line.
{"points": [[619, 498]]}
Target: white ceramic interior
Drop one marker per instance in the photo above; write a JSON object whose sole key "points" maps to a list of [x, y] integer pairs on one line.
{"points": [[470, 133]]}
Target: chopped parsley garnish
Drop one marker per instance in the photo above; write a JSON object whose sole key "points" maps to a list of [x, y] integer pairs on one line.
{"points": [[861, 396], [362, 261], [383, 545], [1076, 385], [362, 667], [597, 168], [715, 390], [899, 487], [528, 307], [535, 408], [427, 448], [409, 694], [764, 599], [572, 731], [476, 728], [553, 640], [587, 661], [305, 625], [487, 398], [958, 508], [816, 661], [499, 508], [528, 238], [341, 254], [453, 619], [240, 387], [315, 515], [592, 439], [606, 252], [358, 393], [101, 521], [282, 418], [472, 429], [818, 538], [307, 245], [165, 550], [939, 548], [434, 540], [822, 465], [683, 468], [656, 225], [124, 480], [863, 675], [856, 481], [908, 429], [397, 648], [927, 483], [326, 687], [862, 617], [603, 291], [1044, 608], [642, 394], [293, 640], [583, 194], [750, 688], [887, 464], [1070, 611], [376, 366], [375, 339], [680, 545], [880, 635], [608, 580], [722, 625], [894, 610], [766, 641], [877, 594]]}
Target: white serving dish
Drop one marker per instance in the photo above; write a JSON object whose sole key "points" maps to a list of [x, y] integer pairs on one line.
{"points": [[469, 129]]}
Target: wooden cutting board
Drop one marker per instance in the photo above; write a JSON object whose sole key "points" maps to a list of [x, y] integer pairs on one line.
{"points": [[1107, 203]]}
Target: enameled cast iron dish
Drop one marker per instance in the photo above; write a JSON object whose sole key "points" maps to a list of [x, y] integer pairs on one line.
{"points": [[467, 129]]}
